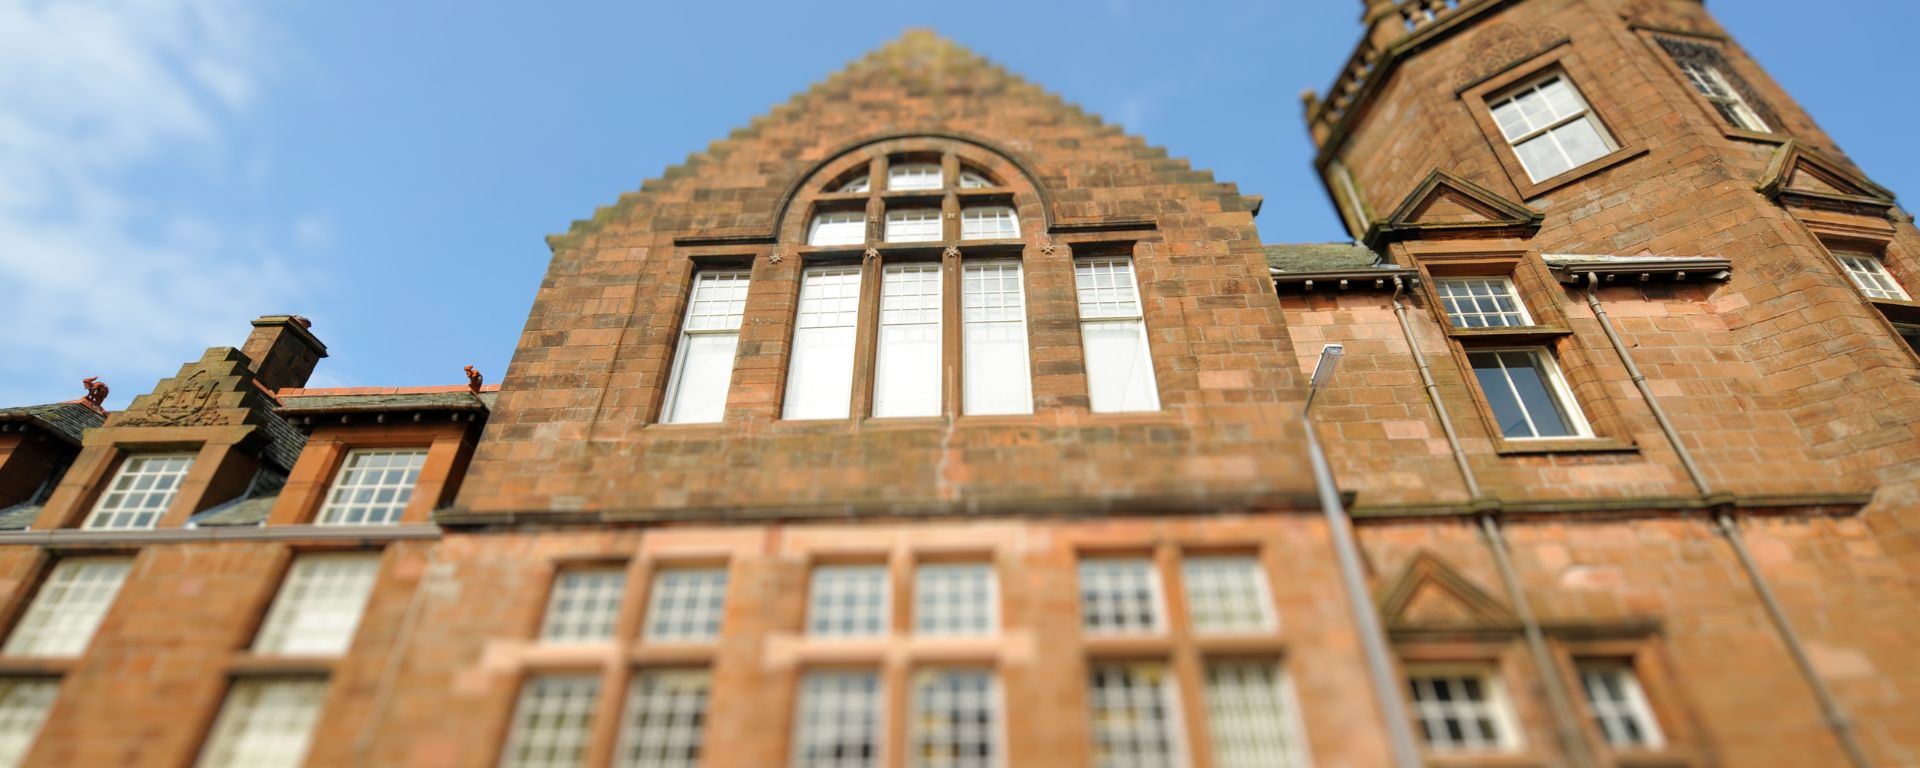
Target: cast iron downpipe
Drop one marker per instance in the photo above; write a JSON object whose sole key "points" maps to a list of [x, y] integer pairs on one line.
{"points": [[1565, 722], [1830, 709]]}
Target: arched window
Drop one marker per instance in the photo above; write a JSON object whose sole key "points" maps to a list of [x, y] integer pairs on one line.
{"points": [[907, 231]]}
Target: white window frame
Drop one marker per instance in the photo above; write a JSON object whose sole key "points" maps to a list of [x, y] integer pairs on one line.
{"points": [[1238, 725], [932, 595], [857, 184], [686, 605], [1498, 707], [924, 709], [917, 224], [826, 331], [1556, 385], [971, 179], [69, 607], [319, 605], [252, 706], [1713, 85], [1500, 287], [829, 615], [664, 722], [915, 176], [1608, 714], [973, 402], [905, 387], [1544, 131], [711, 289], [1254, 590], [351, 494], [985, 222], [1869, 274], [1105, 308], [1112, 606], [24, 703], [830, 228], [1168, 692], [168, 471], [825, 715], [565, 694], [583, 606]]}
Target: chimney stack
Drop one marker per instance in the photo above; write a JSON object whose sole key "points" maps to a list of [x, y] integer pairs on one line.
{"points": [[283, 351]]}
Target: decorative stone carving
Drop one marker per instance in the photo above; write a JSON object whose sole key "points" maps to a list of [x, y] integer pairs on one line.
{"points": [[1664, 15], [96, 390], [775, 257], [474, 379], [1503, 45], [952, 252]]}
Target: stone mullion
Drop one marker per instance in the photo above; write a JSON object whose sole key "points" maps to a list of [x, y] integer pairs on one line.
{"points": [[866, 337], [1184, 661], [950, 338]]}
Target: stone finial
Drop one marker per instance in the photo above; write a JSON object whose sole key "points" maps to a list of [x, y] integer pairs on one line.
{"points": [[474, 379], [96, 391]]}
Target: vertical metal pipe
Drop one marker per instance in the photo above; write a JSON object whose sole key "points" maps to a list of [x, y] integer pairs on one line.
{"points": [[1831, 711], [1373, 639], [1433, 395], [1566, 722]]}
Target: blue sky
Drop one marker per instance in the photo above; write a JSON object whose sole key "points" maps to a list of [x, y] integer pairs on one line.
{"points": [[173, 169]]}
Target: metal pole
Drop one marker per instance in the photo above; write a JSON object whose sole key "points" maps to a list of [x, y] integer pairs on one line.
{"points": [[1566, 724], [1373, 640]]}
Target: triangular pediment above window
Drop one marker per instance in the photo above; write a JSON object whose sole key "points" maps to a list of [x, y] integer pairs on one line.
{"points": [[1801, 175], [1445, 205], [1431, 594]]}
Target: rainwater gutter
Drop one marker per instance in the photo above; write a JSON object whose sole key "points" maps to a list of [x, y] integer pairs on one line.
{"points": [[1831, 711]]}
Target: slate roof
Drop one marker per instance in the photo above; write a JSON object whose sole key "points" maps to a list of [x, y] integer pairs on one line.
{"points": [[251, 511], [18, 516], [382, 399], [1320, 257], [65, 420]]}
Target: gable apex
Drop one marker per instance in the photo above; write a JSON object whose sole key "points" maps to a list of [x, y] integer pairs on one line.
{"points": [[1446, 204], [1431, 593], [1801, 175]]}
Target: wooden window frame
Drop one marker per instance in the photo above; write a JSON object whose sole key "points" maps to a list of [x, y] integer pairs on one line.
{"points": [[1736, 80], [1561, 59]]}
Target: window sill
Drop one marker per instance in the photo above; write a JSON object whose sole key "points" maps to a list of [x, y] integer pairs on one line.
{"points": [[1509, 334], [37, 666], [246, 663], [1896, 310], [1509, 447], [1763, 137], [1531, 190], [1483, 759], [1650, 759]]}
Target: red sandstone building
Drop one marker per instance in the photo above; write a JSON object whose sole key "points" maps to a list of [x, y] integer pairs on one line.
{"points": [[929, 421]]}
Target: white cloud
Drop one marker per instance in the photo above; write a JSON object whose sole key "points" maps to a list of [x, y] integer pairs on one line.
{"points": [[95, 277]]}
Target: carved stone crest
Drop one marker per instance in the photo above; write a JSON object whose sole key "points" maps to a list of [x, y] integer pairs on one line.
{"points": [[1503, 45]]}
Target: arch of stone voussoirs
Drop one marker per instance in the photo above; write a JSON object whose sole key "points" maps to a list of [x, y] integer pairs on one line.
{"points": [[813, 173]]}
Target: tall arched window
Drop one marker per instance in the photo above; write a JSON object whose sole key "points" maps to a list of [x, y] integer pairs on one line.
{"points": [[940, 306]]}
